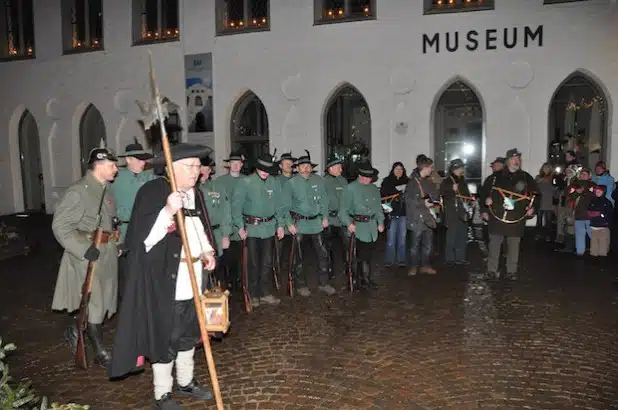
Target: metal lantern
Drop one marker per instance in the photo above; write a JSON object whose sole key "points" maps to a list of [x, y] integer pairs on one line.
{"points": [[216, 310]]}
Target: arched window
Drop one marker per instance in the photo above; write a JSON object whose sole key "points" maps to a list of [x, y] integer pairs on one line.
{"points": [[458, 130], [91, 132], [31, 167], [249, 127], [578, 121], [347, 127]]}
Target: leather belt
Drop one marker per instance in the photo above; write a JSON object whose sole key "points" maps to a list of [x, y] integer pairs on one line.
{"points": [[191, 212], [215, 227], [298, 216], [362, 218], [256, 220], [333, 213], [107, 237]]}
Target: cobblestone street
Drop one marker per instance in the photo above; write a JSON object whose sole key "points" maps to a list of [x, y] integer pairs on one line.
{"points": [[445, 341]]}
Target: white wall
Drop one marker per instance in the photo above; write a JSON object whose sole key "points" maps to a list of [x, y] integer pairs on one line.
{"points": [[296, 66]]}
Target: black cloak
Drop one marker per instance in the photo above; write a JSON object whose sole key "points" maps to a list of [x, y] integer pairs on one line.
{"points": [[145, 316]]}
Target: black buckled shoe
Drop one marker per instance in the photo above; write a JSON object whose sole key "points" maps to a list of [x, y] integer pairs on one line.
{"points": [[167, 403], [195, 391]]}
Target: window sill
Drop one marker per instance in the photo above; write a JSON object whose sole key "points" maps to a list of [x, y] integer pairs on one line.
{"points": [[343, 20], [16, 58], [459, 9], [550, 2], [231, 32], [157, 41], [81, 50]]}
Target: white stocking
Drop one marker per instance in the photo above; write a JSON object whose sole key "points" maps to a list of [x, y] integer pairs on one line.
{"points": [[162, 379], [184, 367]]}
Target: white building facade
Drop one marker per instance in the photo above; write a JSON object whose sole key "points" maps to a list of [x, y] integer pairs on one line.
{"points": [[449, 78]]}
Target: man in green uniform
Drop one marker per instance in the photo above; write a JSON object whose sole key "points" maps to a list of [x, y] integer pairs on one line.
{"points": [[335, 184], [217, 206], [361, 212], [258, 213], [228, 183], [75, 220], [128, 181], [307, 203], [286, 172]]}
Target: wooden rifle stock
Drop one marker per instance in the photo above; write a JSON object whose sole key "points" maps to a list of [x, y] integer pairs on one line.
{"points": [[291, 266], [81, 360]]}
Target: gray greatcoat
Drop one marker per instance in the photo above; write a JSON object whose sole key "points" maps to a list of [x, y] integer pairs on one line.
{"points": [[73, 224]]}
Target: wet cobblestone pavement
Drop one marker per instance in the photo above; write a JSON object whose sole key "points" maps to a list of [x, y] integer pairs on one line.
{"points": [[445, 341]]}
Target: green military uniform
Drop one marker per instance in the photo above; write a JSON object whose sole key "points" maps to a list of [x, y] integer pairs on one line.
{"points": [[257, 207], [307, 205], [258, 198], [73, 224], [360, 205], [334, 189], [362, 199], [229, 184], [307, 198], [219, 211], [125, 188]]}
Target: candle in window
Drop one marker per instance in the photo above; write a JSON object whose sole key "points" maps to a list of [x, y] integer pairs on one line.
{"points": [[264, 20], [330, 12], [340, 12]]}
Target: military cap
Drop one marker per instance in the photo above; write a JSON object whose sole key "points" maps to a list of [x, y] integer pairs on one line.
{"points": [[305, 159], [457, 163], [101, 154], [181, 151], [513, 153], [136, 150]]}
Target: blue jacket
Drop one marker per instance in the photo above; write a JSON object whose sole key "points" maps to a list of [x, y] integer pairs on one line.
{"points": [[601, 212], [607, 180]]}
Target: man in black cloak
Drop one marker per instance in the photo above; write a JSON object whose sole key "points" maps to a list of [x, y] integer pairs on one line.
{"points": [[157, 317]]}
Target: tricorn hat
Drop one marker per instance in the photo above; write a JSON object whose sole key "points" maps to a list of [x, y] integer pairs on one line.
{"points": [[235, 156], [265, 162], [513, 153], [136, 150], [182, 151], [333, 159], [305, 159]]}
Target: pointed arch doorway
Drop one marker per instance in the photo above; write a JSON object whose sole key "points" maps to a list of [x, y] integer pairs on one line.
{"points": [[578, 121], [31, 165], [249, 128], [347, 128], [91, 132], [458, 129]]}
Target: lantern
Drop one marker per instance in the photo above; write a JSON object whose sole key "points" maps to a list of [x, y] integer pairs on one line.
{"points": [[216, 310]]}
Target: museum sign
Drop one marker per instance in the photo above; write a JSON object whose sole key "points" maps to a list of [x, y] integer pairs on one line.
{"points": [[488, 39]]}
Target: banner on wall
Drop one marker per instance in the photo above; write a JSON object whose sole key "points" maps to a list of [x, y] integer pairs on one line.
{"points": [[198, 85]]}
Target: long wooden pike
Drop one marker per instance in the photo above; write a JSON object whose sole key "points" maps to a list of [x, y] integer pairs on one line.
{"points": [[201, 318]]}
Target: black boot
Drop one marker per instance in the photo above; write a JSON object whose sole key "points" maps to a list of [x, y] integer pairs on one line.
{"points": [[95, 335], [363, 275], [367, 273], [70, 335]]}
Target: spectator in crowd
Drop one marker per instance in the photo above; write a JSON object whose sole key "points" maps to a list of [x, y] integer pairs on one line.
{"points": [[600, 212], [393, 187]]}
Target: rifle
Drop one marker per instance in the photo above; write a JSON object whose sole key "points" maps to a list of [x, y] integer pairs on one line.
{"points": [[81, 319], [351, 253], [291, 266], [245, 276], [276, 265]]}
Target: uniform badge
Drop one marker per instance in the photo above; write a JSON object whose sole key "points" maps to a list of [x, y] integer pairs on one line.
{"points": [[270, 193]]}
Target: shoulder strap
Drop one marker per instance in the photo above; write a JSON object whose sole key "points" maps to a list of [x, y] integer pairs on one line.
{"points": [[420, 187]]}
